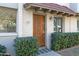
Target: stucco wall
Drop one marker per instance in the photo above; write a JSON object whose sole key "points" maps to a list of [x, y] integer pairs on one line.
{"points": [[67, 23], [70, 24], [24, 21], [27, 23], [49, 29], [8, 41], [73, 24]]}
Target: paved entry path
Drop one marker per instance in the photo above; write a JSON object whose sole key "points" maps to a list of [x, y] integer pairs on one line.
{"points": [[47, 52], [51, 53], [73, 51]]}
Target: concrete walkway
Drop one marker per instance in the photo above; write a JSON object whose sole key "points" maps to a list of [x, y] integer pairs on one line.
{"points": [[51, 53], [73, 51]]}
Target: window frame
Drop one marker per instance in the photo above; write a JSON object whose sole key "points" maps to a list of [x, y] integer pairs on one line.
{"points": [[8, 32], [60, 18]]}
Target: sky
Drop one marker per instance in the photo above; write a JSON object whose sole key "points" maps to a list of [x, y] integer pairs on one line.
{"points": [[64, 4]]}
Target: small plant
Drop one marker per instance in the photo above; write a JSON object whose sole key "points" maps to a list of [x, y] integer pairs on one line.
{"points": [[2, 49], [26, 46]]}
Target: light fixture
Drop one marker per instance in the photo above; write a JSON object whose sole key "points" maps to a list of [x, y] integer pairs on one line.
{"points": [[50, 18]]}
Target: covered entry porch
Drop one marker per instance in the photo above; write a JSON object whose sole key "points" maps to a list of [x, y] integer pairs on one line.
{"points": [[42, 19]]}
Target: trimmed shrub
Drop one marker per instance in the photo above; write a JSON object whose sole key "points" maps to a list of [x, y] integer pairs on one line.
{"points": [[26, 46], [2, 49], [64, 40]]}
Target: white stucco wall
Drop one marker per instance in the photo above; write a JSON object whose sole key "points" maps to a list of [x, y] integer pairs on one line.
{"points": [[27, 23], [66, 24], [19, 20], [8, 42], [49, 29], [70, 24], [73, 24], [24, 21]]}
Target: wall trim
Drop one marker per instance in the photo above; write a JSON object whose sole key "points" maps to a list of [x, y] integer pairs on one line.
{"points": [[8, 34]]}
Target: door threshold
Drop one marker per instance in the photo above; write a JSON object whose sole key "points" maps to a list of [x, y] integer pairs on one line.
{"points": [[42, 48]]}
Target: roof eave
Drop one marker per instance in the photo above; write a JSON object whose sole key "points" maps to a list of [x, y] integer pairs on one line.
{"points": [[30, 5]]}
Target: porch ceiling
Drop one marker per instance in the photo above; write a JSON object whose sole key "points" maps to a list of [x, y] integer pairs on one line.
{"points": [[50, 7]]}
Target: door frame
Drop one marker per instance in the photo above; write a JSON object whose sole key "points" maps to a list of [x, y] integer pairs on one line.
{"points": [[44, 27]]}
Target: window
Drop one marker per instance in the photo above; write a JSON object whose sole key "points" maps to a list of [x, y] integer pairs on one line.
{"points": [[78, 23], [58, 24], [7, 20]]}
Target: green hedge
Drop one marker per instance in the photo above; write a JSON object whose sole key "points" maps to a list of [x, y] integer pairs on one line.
{"points": [[64, 40], [26, 46]]}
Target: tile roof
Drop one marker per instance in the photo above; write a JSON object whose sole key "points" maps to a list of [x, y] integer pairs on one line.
{"points": [[52, 6]]}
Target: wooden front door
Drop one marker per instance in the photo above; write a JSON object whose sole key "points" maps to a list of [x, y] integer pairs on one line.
{"points": [[39, 29]]}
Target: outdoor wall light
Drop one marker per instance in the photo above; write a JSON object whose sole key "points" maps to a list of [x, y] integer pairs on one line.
{"points": [[50, 18]]}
